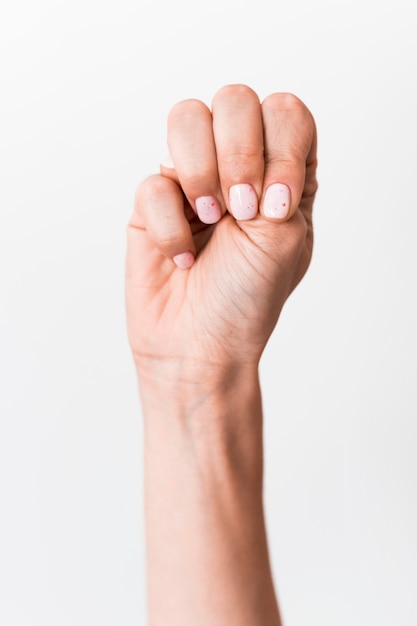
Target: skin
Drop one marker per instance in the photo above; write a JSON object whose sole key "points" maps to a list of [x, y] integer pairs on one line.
{"points": [[197, 335]]}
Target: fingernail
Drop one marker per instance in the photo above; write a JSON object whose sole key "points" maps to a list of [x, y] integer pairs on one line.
{"points": [[168, 162], [277, 201], [208, 209], [184, 261], [243, 202]]}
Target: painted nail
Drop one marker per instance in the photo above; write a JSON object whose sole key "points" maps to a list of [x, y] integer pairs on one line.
{"points": [[208, 209], [184, 261], [243, 202], [277, 201]]}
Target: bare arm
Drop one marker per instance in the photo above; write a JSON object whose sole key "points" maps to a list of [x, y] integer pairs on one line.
{"points": [[206, 544], [209, 267]]}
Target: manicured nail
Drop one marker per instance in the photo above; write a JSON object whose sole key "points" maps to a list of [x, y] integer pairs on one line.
{"points": [[243, 202], [184, 261], [208, 209], [277, 201], [168, 162]]}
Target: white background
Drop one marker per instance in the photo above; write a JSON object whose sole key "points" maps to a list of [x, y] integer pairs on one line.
{"points": [[85, 90]]}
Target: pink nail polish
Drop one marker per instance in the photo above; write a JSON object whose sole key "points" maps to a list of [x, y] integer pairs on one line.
{"points": [[184, 261], [208, 209], [277, 201], [243, 202]]}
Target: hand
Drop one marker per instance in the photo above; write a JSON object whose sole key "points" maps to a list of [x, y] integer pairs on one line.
{"points": [[217, 242]]}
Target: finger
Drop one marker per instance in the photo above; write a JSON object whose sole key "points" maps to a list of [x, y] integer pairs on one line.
{"points": [[238, 135], [167, 168], [290, 156], [191, 145], [159, 214]]}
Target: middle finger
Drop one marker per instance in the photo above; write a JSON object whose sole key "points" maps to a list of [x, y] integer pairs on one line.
{"points": [[238, 134]]}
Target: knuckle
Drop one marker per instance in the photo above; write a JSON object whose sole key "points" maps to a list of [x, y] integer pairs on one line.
{"points": [[187, 110], [287, 160], [196, 170], [243, 156], [150, 185], [153, 183], [286, 101], [169, 242], [240, 163], [291, 104], [235, 91], [152, 189], [196, 179]]}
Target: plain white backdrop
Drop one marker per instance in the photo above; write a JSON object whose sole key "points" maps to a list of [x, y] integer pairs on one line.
{"points": [[85, 90]]}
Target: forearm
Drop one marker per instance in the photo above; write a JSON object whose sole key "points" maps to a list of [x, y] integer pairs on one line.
{"points": [[207, 555]]}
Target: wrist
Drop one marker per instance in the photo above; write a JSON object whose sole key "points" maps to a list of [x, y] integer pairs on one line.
{"points": [[184, 387], [185, 377], [213, 414]]}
